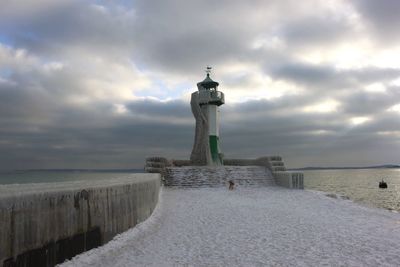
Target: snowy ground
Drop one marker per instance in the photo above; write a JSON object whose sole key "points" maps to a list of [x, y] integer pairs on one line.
{"points": [[254, 227]]}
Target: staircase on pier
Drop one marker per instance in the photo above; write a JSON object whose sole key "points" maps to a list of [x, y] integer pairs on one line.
{"points": [[202, 176]]}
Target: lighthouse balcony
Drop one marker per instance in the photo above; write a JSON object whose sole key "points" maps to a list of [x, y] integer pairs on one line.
{"points": [[211, 97]]}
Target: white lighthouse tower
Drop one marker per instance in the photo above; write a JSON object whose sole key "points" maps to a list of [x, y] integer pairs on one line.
{"points": [[205, 107]]}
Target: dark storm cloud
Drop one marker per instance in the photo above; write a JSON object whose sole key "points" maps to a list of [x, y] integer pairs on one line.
{"points": [[184, 38], [307, 73], [82, 138], [323, 77], [175, 108], [382, 17], [316, 30], [328, 139], [361, 103], [57, 27]]}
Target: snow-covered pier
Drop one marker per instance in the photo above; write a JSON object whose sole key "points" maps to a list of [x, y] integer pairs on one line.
{"points": [[266, 226]]}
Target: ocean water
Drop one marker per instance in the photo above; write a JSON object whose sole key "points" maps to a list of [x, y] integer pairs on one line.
{"points": [[47, 176], [359, 185]]}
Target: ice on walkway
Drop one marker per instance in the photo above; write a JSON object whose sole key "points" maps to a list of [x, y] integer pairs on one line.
{"points": [[254, 227]]}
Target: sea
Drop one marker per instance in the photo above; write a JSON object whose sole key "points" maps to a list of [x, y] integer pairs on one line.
{"points": [[358, 185]]}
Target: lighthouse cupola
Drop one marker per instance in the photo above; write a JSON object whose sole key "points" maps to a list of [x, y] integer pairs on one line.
{"points": [[208, 91]]}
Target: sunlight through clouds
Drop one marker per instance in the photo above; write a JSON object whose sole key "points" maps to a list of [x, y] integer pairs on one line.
{"points": [[375, 87], [395, 108], [359, 120], [326, 106]]}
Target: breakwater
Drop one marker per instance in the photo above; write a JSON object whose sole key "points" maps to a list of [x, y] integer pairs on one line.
{"points": [[45, 224]]}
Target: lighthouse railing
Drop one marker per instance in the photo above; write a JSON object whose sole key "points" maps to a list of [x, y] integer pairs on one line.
{"points": [[212, 97]]}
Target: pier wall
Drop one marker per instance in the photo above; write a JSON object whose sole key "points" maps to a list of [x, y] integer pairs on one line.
{"points": [[45, 224], [289, 179]]}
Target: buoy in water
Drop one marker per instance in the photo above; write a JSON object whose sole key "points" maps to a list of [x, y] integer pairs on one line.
{"points": [[382, 184]]}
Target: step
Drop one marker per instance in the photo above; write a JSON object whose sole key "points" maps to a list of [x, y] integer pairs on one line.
{"points": [[198, 176]]}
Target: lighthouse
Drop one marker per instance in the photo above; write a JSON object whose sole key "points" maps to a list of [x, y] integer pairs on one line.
{"points": [[205, 108]]}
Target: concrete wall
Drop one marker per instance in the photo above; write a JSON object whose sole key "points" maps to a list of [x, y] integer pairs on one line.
{"points": [[44, 224], [157, 165], [209, 176], [288, 179]]}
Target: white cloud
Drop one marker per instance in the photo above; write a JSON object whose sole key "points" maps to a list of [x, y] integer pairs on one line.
{"points": [[375, 88], [359, 120], [395, 108], [325, 106]]}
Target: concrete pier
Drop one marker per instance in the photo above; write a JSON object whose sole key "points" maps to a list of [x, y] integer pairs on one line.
{"points": [[45, 224]]}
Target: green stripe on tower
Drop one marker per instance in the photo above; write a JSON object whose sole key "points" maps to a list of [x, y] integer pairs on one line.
{"points": [[214, 149]]}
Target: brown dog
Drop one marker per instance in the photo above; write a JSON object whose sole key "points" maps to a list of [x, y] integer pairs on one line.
{"points": [[231, 185]]}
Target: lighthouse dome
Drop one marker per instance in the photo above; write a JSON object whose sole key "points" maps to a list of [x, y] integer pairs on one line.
{"points": [[208, 83]]}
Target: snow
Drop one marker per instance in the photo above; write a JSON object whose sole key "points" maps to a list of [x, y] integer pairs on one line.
{"points": [[254, 227]]}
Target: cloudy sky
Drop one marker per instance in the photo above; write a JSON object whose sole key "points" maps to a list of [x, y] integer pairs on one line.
{"points": [[103, 84]]}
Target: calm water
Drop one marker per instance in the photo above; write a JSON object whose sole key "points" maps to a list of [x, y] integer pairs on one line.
{"points": [[23, 177], [358, 185]]}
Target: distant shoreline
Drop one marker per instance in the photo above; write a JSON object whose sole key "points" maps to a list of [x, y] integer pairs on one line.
{"points": [[389, 166]]}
